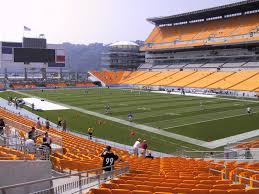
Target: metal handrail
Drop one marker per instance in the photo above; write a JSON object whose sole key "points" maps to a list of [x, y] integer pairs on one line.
{"points": [[242, 177], [3, 189]]}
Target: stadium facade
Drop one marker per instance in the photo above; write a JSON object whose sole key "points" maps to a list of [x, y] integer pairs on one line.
{"points": [[32, 55]]}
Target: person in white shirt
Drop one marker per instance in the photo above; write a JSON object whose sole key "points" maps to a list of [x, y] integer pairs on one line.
{"points": [[136, 146], [30, 145]]}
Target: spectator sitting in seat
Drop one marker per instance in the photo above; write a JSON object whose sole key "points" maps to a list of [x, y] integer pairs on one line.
{"points": [[2, 125], [45, 149], [48, 139], [45, 143], [149, 155], [30, 145], [32, 133]]}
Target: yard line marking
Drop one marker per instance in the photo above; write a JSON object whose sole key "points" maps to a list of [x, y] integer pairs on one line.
{"points": [[143, 108], [172, 113], [205, 121]]}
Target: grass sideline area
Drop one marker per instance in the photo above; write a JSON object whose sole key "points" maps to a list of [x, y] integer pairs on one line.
{"points": [[79, 122], [201, 118]]}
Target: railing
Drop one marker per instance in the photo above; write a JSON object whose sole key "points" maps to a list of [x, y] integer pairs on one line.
{"points": [[76, 186], [227, 154], [118, 145], [219, 171], [251, 180]]}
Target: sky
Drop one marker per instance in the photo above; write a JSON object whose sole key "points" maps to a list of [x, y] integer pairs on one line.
{"points": [[89, 21]]}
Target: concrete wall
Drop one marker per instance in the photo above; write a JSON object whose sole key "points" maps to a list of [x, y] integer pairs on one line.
{"points": [[19, 171]]}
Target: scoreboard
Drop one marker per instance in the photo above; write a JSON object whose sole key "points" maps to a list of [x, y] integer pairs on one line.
{"points": [[27, 55]]}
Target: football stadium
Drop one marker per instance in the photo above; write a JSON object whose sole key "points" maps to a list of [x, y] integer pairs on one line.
{"points": [[176, 115]]}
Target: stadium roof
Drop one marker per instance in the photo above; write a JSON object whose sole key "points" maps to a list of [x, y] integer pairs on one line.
{"points": [[228, 9], [124, 43]]}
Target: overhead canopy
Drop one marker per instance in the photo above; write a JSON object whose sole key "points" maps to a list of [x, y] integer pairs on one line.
{"points": [[124, 43], [233, 8]]}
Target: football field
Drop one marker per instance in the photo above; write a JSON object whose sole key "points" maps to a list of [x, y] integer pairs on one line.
{"points": [[200, 118]]}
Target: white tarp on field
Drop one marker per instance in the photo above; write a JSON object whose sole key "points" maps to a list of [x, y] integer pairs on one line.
{"points": [[42, 104]]}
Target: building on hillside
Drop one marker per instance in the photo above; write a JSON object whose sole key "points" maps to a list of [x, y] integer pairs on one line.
{"points": [[123, 55], [220, 37], [32, 57]]}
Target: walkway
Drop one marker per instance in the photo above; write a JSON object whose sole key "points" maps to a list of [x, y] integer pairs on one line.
{"points": [[209, 145]]}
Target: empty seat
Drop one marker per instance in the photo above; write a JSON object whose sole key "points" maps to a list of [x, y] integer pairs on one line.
{"points": [[127, 186], [200, 191], [100, 191], [133, 182], [172, 185], [140, 192], [144, 188], [218, 191], [181, 190], [252, 191], [236, 191], [109, 185], [119, 181], [162, 189], [203, 186], [120, 191]]}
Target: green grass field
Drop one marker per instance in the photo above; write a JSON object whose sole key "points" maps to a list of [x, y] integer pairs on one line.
{"points": [[196, 117]]}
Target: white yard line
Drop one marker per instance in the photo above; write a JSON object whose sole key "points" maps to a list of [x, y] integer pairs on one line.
{"points": [[204, 121]]}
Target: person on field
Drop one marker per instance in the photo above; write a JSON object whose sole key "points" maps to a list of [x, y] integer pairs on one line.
{"points": [[249, 110], [90, 131], [130, 116], [107, 109]]}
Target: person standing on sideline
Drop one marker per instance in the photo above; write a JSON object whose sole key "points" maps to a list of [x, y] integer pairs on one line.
{"points": [[47, 124], [64, 125], [59, 121], [90, 131], [144, 148], [38, 124], [109, 159], [136, 147], [33, 106]]}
